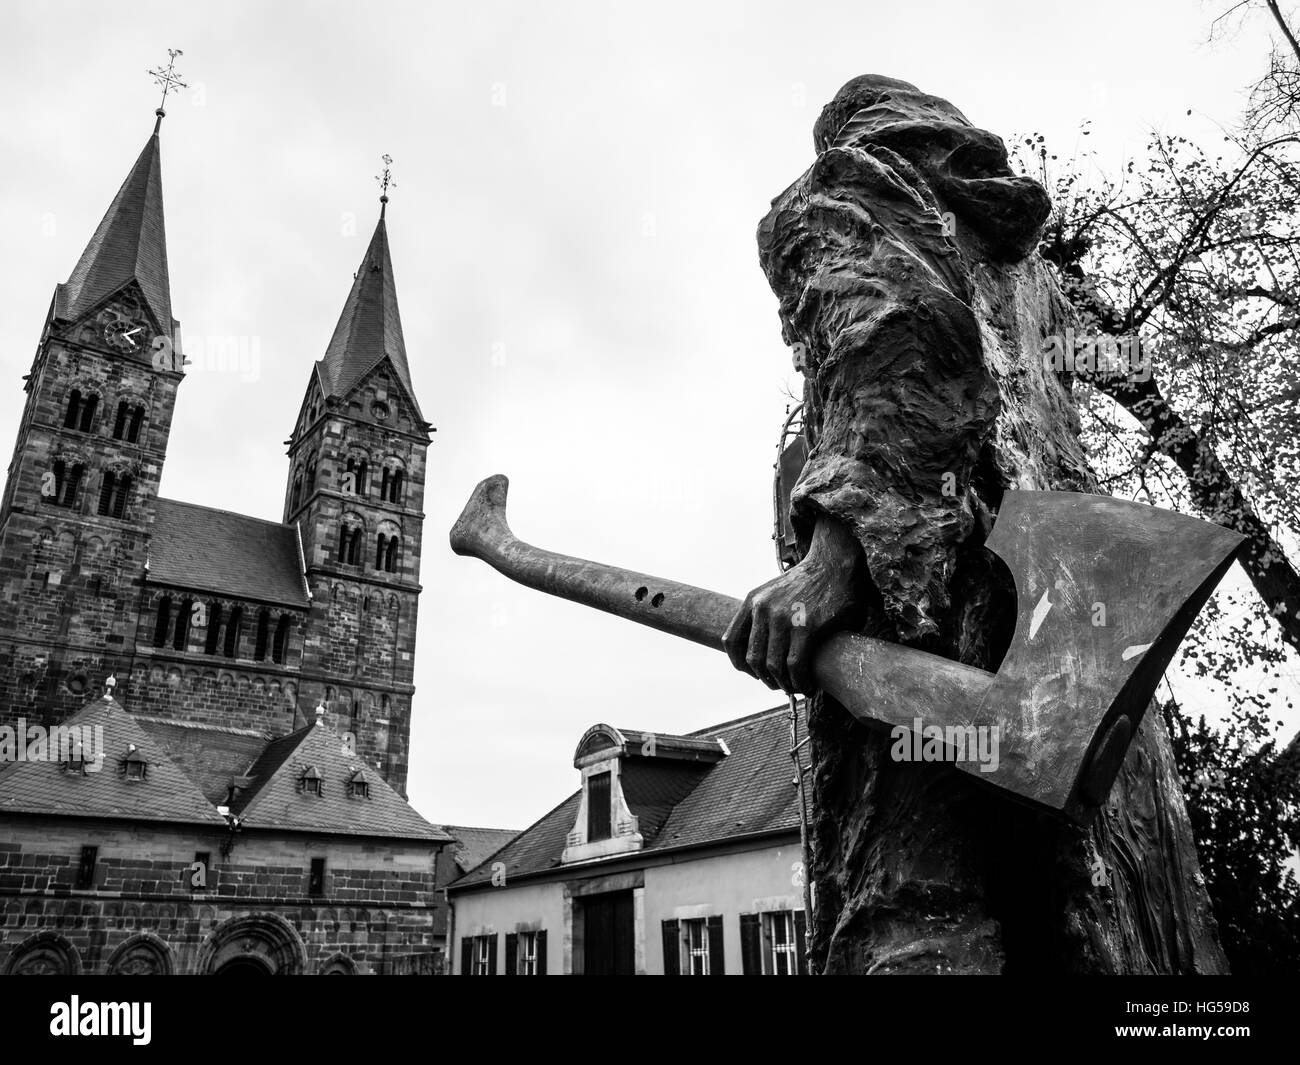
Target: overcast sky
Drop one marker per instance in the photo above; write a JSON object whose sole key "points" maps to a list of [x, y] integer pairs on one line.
{"points": [[572, 231]]}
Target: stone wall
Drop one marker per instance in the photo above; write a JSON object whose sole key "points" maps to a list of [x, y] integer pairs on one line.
{"points": [[378, 911]]}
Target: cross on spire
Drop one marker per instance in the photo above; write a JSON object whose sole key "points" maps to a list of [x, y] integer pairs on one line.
{"points": [[385, 183], [169, 80]]}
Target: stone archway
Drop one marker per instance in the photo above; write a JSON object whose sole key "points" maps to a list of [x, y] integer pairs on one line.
{"points": [[141, 955], [258, 944], [44, 954]]}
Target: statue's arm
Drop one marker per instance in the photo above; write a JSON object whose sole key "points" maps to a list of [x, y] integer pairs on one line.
{"points": [[777, 628]]}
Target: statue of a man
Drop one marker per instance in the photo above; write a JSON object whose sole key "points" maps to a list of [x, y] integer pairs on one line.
{"points": [[904, 261]]}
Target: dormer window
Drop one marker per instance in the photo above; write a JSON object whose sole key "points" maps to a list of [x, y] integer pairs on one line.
{"points": [[134, 766], [310, 781], [359, 785], [598, 797]]}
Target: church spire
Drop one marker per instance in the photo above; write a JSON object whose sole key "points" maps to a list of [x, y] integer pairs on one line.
{"points": [[370, 328], [130, 243]]}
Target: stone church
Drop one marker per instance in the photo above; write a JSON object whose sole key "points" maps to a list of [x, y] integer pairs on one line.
{"points": [[250, 680]]}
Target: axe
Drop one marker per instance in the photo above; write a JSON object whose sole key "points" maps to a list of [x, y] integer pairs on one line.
{"points": [[1106, 590]]}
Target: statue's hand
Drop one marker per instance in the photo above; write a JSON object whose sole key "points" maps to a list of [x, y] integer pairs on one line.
{"points": [[774, 633]]}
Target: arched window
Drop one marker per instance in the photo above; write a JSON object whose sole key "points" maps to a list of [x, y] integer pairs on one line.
{"points": [[346, 536], [233, 627], [214, 629], [183, 618], [383, 485], [354, 548], [311, 475], [73, 412], [66, 481], [379, 552], [133, 429], [296, 497], [106, 488], [399, 482], [119, 424], [113, 494], [390, 556], [358, 469], [281, 645], [164, 619], [263, 634], [88, 412]]}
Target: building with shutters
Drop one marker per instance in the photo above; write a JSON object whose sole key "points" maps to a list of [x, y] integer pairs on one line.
{"points": [[260, 671], [677, 855]]}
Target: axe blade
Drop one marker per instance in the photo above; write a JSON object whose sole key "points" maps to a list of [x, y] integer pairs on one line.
{"points": [[1106, 590]]}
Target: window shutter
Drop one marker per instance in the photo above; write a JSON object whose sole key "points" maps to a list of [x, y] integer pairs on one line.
{"points": [[717, 964], [751, 948], [466, 955], [672, 957], [512, 953], [800, 937], [541, 953], [492, 954]]}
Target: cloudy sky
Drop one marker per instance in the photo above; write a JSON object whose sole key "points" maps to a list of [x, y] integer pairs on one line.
{"points": [[578, 186]]}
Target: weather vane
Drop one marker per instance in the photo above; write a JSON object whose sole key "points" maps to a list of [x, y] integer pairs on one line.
{"points": [[168, 79], [385, 182]]}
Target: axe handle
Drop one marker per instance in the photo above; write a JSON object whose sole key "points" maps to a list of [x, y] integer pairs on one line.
{"points": [[878, 682]]}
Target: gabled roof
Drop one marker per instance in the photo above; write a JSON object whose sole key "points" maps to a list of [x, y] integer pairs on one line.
{"points": [[275, 799], [165, 794], [679, 803], [370, 328], [474, 845], [207, 550], [130, 244]]}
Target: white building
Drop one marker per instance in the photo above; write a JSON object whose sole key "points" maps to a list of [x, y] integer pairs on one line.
{"points": [[678, 855]]}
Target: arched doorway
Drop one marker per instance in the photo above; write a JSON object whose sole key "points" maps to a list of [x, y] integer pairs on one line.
{"points": [[259, 944]]}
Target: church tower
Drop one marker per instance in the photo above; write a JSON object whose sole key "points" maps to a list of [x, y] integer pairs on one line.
{"points": [[79, 500], [356, 493]]}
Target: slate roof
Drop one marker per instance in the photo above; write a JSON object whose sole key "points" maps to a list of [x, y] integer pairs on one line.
{"points": [[275, 800], [209, 550], [473, 846], [680, 804], [130, 243], [211, 755], [370, 328], [166, 793]]}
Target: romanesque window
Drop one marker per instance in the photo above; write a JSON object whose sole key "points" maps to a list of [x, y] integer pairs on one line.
{"points": [[379, 551], [390, 486], [390, 556], [311, 474], [163, 620], [67, 478], [350, 545], [263, 634], [233, 632], [72, 415], [281, 644], [127, 424], [214, 629], [296, 497], [113, 494], [357, 467], [183, 619]]}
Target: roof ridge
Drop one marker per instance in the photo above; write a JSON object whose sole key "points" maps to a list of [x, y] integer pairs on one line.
{"points": [[758, 716], [226, 729], [222, 510]]}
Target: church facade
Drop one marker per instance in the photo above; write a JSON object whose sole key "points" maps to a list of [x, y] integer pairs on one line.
{"points": [[219, 645]]}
